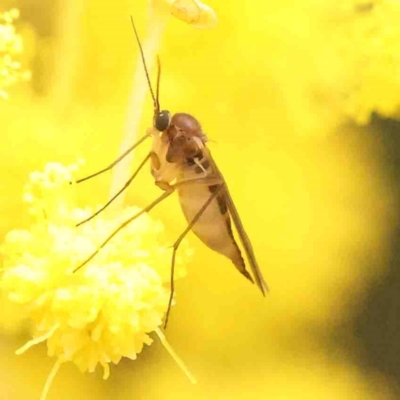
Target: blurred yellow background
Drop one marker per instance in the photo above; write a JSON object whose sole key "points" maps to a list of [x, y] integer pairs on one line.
{"points": [[270, 85]]}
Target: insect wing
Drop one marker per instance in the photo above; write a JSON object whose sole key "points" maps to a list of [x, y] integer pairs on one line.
{"points": [[244, 239]]}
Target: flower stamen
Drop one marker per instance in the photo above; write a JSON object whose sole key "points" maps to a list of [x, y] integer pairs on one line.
{"points": [[50, 378], [37, 340], [176, 358]]}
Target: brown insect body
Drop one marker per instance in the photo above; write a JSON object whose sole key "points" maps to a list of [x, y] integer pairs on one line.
{"points": [[180, 161], [180, 154]]}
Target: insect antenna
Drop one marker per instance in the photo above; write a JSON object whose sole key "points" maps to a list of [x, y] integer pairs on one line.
{"points": [[156, 110], [155, 99], [158, 81]]}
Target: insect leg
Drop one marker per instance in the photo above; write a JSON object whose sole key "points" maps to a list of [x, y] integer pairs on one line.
{"points": [[124, 224], [178, 242], [127, 183], [114, 163]]}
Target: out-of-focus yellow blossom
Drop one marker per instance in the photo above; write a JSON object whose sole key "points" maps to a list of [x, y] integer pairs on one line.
{"points": [[369, 42], [194, 12], [10, 45], [104, 311]]}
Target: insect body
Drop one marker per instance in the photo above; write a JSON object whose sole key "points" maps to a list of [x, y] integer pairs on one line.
{"points": [[186, 159], [181, 161]]}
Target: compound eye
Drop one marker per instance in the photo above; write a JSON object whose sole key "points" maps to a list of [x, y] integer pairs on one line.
{"points": [[163, 119]]}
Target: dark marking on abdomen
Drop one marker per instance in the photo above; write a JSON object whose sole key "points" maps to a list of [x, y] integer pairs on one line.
{"points": [[220, 199]]}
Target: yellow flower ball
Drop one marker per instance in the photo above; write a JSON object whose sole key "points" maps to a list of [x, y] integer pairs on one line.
{"points": [[10, 45], [106, 309]]}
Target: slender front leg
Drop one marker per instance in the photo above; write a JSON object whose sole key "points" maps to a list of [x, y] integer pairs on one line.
{"points": [[181, 237], [120, 158], [127, 183], [128, 221]]}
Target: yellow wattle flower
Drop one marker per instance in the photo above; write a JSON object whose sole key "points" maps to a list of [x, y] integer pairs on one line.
{"points": [[193, 12], [368, 38], [107, 309], [10, 45]]}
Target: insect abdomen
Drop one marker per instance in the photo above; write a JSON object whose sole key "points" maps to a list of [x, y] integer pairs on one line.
{"points": [[214, 227]]}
